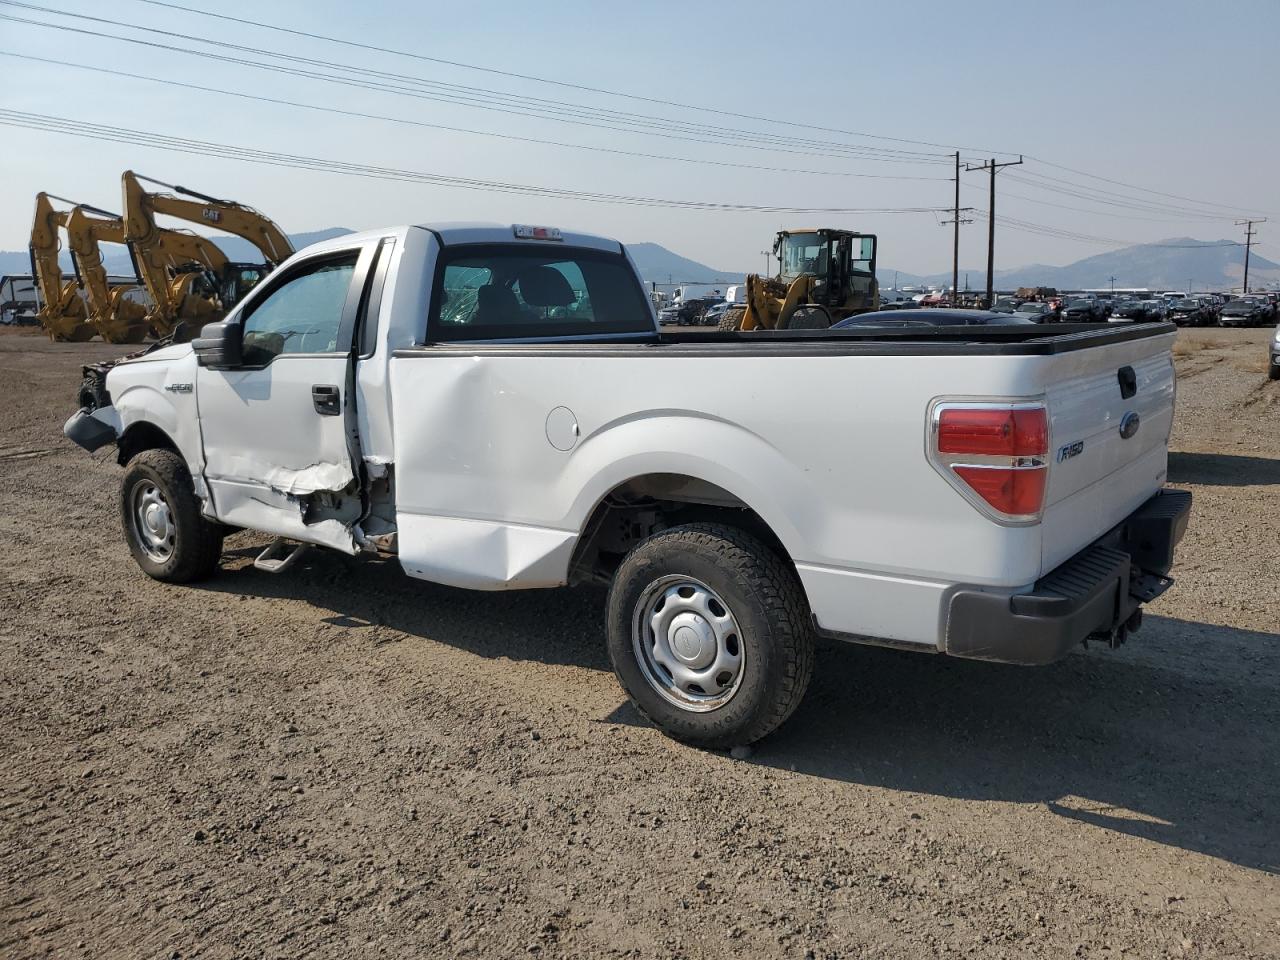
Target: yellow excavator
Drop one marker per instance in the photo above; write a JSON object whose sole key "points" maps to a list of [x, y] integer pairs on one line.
{"points": [[62, 314], [824, 276], [165, 258], [112, 313]]}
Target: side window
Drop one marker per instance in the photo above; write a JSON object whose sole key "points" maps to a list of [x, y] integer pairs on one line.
{"points": [[302, 315]]}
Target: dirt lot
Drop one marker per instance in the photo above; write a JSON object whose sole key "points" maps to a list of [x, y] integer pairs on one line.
{"points": [[344, 762]]}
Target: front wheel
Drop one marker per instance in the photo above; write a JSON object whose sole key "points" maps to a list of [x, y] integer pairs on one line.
{"points": [[1273, 371], [709, 634], [166, 533]]}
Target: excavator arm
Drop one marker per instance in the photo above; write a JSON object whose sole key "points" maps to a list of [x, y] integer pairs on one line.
{"points": [[141, 208], [62, 313], [115, 317], [174, 267]]}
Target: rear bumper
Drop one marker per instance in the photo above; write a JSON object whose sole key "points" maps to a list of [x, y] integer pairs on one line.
{"points": [[1097, 591]]}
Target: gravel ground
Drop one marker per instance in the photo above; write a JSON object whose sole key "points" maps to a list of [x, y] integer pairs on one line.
{"points": [[343, 762]]}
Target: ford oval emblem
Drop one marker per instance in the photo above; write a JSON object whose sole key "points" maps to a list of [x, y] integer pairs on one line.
{"points": [[1129, 424]]}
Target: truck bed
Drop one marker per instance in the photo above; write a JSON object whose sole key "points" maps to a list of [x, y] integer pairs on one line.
{"points": [[1029, 340]]}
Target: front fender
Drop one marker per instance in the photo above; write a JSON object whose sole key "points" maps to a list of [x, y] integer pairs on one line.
{"points": [[159, 390]]}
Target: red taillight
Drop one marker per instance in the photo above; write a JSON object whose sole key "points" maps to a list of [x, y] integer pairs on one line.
{"points": [[996, 432], [1016, 492], [995, 454]]}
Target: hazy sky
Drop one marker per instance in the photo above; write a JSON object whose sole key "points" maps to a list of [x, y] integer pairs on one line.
{"points": [[1177, 97]]}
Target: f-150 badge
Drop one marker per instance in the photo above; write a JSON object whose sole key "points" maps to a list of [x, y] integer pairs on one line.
{"points": [[1070, 450]]}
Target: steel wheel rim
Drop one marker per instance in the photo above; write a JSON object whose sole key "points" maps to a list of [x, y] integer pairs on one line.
{"points": [[152, 520], [688, 643]]}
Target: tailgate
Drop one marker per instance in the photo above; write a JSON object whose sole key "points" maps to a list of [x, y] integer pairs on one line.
{"points": [[1110, 413]]}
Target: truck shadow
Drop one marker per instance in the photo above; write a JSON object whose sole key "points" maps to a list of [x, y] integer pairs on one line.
{"points": [[1222, 470], [1174, 738]]}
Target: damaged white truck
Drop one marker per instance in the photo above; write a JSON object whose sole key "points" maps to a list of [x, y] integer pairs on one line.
{"points": [[496, 407]]}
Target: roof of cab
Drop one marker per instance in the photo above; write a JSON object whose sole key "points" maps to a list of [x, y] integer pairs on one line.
{"points": [[456, 233]]}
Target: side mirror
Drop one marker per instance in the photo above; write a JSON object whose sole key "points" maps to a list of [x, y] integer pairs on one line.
{"points": [[219, 346]]}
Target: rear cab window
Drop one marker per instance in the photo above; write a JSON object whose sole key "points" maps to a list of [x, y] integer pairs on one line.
{"points": [[497, 291]]}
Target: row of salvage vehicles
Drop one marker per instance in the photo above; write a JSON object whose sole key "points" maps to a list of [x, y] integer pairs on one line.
{"points": [[187, 279]]}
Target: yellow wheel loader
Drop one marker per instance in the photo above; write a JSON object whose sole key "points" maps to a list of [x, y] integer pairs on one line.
{"points": [[112, 313], [176, 266], [824, 276], [62, 314]]}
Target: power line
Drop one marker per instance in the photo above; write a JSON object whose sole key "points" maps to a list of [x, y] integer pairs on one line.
{"points": [[469, 96], [1109, 198], [640, 98], [774, 121], [132, 137], [1098, 213], [1132, 186], [439, 126]]}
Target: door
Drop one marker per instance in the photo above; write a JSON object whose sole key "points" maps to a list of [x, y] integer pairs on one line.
{"points": [[278, 448]]}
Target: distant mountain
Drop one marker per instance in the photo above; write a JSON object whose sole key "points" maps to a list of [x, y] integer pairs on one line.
{"points": [[657, 264], [1163, 265], [116, 259]]}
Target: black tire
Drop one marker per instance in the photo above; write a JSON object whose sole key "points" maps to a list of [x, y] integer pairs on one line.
{"points": [[194, 545], [1273, 370], [763, 594], [732, 319], [809, 317], [93, 392]]}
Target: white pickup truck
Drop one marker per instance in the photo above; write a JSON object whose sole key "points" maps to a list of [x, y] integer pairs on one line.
{"points": [[497, 407]]}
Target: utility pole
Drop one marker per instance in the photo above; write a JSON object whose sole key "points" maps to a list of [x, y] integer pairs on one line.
{"points": [[1113, 285], [1248, 244], [955, 247], [765, 254], [991, 221]]}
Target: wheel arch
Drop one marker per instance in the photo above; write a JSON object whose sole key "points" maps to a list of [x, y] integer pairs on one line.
{"points": [[140, 436], [641, 505]]}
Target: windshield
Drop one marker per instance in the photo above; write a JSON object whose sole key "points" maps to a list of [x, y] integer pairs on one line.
{"points": [[805, 253], [505, 291]]}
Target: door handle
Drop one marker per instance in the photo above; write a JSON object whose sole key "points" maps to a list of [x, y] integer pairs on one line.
{"points": [[327, 399]]}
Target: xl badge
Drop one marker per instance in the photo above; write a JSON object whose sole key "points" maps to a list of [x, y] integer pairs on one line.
{"points": [[1070, 450]]}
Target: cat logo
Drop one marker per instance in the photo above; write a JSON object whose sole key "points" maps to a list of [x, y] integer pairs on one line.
{"points": [[1070, 450], [210, 214]]}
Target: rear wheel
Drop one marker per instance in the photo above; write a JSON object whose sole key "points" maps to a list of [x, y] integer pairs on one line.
{"points": [[166, 533], [709, 634], [1273, 371]]}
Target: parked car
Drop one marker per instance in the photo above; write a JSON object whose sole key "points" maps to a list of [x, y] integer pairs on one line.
{"points": [[927, 317], [1273, 368], [687, 312], [19, 302], [1083, 310], [1134, 311], [1037, 312], [1188, 312], [1156, 309], [1006, 304], [712, 314], [510, 436], [1244, 312]]}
